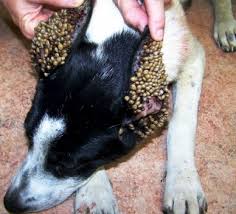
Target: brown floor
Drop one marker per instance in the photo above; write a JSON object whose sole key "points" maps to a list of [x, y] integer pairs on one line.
{"points": [[139, 191]]}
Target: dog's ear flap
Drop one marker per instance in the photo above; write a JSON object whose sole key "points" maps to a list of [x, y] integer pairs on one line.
{"points": [[153, 104], [82, 23], [56, 38], [139, 50]]}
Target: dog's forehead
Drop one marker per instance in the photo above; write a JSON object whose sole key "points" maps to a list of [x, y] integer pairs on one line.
{"points": [[49, 128]]}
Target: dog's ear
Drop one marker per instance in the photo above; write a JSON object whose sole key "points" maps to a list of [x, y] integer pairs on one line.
{"points": [[147, 94], [56, 38], [82, 22], [151, 105]]}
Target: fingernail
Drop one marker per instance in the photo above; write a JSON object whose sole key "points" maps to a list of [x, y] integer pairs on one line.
{"points": [[159, 34], [75, 3], [141, 27]]}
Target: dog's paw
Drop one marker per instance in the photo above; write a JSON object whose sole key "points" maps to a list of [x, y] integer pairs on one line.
{"points": [[225, 35], [96, 197], [184, 194]]}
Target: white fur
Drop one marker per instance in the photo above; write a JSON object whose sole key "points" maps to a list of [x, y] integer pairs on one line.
{"points": [[48, 129], [105, 13], [182, 182], [40, 184], [175, 41], [96, 196]]}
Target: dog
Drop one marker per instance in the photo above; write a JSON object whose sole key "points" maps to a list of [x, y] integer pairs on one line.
{"points": [[73, 124], [224, 24]]}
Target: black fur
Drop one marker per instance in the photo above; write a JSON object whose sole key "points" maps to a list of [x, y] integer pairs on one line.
{"points": [[186, 4], [88, 93]]}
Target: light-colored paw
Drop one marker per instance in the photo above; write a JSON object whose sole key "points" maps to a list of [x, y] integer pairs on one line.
{"points": [[225, 35], [184, 194], [96, 197]]}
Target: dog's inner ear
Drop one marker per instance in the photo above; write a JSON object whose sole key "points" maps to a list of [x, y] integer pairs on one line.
{"points": [[151, 106]]}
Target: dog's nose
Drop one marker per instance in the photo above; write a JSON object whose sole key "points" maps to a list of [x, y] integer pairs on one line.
{"points": [[13, 203]]}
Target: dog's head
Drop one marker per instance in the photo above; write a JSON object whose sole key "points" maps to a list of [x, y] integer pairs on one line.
{"points": [[73, 125]]}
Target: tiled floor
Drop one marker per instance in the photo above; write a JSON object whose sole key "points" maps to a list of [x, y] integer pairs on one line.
{"points": [[139, 191]]}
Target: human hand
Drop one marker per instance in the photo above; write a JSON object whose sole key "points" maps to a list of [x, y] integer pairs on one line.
{"points": [[151, 13], [28, 13]]}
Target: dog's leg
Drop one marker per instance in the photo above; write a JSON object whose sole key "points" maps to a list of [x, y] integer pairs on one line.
{"points": [[183, 191], [96, 196], [225, 25]]}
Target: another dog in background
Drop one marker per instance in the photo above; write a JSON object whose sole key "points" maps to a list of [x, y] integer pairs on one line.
{"points": [[224, 24]]}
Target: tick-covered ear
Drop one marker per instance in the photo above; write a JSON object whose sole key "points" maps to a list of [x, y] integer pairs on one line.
{"points": [[55, 38], [148, 94]]}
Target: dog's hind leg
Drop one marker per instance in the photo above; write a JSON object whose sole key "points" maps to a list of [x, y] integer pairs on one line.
{"points": [[183, 191], [96, 196], [225, 25]]}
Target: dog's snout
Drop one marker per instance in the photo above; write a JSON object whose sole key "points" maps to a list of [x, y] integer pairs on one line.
{"points": [[14, 203], [16, 200]]}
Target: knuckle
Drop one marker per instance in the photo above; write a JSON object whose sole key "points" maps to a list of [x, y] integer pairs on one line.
{"points": [[24, 25]]}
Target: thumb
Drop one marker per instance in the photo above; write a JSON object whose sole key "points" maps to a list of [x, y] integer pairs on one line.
{"points": [[29, 23], [59, 3], [133, 13]]}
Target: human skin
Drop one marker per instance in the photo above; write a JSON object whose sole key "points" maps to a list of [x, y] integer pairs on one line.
{"points": [[28, 13], [150, 13]]}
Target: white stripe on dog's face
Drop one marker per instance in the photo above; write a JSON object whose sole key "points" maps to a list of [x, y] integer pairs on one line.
{"points": [[48, 129], [33, 188]]}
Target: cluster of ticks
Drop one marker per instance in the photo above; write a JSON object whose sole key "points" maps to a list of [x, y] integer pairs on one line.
{"points": [[149, 83], [53, 39]]}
